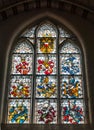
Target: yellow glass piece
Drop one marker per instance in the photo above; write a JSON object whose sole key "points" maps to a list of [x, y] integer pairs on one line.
{"points": [[64, 91], [46, 63], [71, 90], [46, 44], [46, 80]]}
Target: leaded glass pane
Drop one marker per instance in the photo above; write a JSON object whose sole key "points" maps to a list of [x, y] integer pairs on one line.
{"points": [[19, 111], [46, 30], [32, 40], [21, 64], [46, 64], [72, 111], [69, 48], [46, 87], [63, 33], [70, 64], [23, 47], [46, 111], [71, 87], [62, 39], [20, 86], [29, 32], [46, 45]]}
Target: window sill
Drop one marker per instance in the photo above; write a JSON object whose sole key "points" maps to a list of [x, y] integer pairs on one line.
{"points": [[46, 127]]}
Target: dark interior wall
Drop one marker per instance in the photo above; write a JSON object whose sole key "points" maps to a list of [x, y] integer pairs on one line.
{"points": [[12, 27]]}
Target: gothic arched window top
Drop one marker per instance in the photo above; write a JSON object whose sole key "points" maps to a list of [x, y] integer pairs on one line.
{"points": [[23, 47], [46, 30], [69, 47], [22, 57], [46, 80]]}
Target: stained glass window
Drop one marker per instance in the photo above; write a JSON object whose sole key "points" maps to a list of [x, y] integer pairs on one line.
{"points": [[71, 85], [21, 79], [46, 78]]}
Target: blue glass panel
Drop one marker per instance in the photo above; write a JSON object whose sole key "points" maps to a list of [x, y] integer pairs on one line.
{"points": [[70, 64], [19, 111]]}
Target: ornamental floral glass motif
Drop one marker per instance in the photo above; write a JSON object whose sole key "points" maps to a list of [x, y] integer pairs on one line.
{"points": [[46, 67]]}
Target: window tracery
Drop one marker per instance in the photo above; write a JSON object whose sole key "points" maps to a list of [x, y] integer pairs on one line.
{"points": [[46, 72]]}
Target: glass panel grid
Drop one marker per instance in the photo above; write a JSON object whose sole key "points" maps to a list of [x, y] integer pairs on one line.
{"points": [[20, 84], [47, 89], [72, 99], [46, 83]]}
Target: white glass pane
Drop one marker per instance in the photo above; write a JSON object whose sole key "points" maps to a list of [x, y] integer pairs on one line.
{"points": [[23, 47], [46, 30], [69, 48], [29, 32]]}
